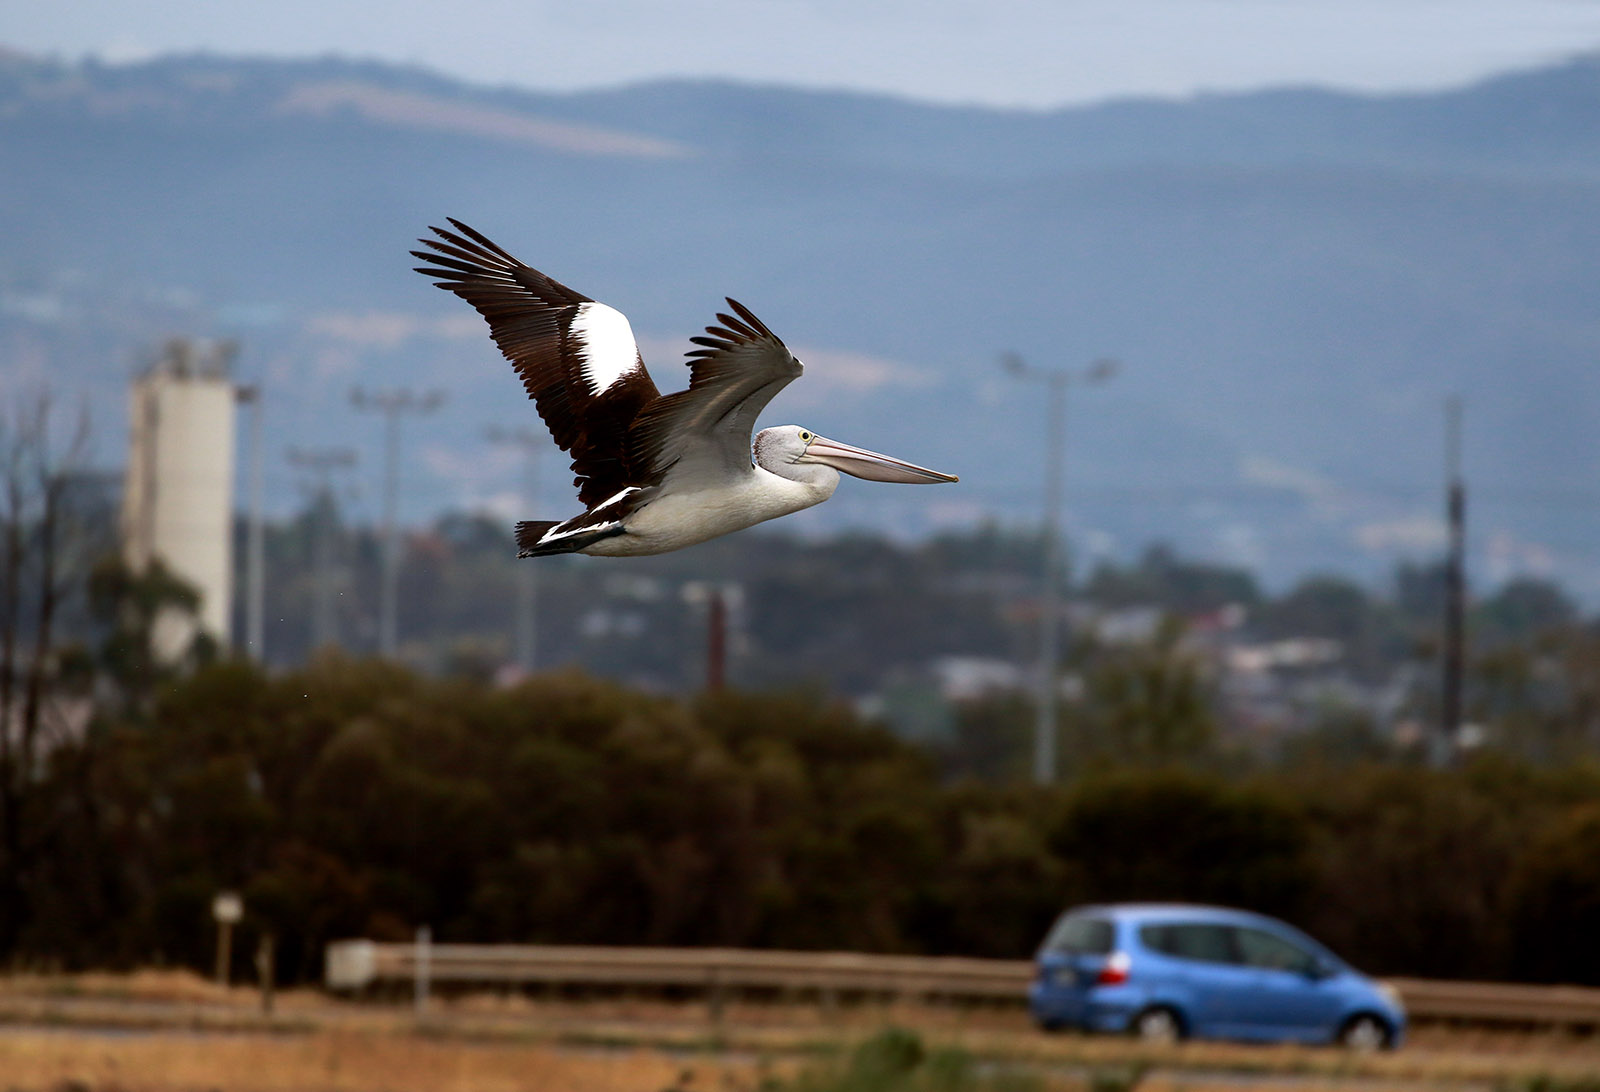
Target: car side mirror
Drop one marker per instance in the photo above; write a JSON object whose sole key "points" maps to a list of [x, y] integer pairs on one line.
{"points": [[1322, 967]]}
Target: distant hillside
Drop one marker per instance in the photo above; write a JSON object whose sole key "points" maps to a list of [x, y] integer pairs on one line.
{"points": [[1294, 280]]}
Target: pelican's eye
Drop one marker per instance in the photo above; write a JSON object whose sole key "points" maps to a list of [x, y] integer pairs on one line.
{"points": [[806, 437]]}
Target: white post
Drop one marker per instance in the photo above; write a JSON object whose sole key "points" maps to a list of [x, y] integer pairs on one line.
{"points": [[424, 943]]}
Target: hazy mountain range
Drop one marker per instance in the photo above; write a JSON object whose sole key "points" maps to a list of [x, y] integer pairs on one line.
{"points": [[1293, 280]]}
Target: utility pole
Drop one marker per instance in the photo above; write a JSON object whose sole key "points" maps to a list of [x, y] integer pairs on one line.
{"points": [[723, 600], [1455, 590], [716, 641], [392, 403], [320, 464], [1055, 381], [255, 550], [527, 621]]}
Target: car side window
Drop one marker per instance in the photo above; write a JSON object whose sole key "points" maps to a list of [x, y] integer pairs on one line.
{"points": [[1206, 943], [1259, 948]]}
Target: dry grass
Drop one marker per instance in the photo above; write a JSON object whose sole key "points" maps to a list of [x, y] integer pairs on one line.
{"points": [[143, 985], [42, 1061], [191, 1036]]}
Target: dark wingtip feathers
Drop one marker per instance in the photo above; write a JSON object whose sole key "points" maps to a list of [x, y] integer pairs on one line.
{"points": [[749, 317], [473, 243], [733, 332], [733, 328], [448, 283], [479, 238]]}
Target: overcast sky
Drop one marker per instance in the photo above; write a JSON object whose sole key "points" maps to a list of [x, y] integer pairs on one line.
{"points": [[997, 52]]}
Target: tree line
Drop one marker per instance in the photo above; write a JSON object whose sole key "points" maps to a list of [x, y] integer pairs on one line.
{"points": [[357, 798]]}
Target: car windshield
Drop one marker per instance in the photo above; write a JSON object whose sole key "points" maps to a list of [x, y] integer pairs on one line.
{"points": [[1081, 934]]}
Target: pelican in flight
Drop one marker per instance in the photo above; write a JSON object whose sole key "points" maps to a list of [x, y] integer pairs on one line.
{"points": [[654, 472]]}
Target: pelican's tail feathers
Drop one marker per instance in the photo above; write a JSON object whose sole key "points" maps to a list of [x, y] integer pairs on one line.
{"points": [[539, 537], [529, 532]]}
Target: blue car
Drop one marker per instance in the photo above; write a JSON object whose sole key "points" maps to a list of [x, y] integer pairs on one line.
{"points": [[1168, 972]]}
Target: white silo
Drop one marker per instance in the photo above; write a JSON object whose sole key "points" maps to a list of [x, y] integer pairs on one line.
{"points": [[178, 500]]}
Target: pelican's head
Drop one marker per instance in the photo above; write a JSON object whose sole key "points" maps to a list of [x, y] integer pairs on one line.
{"points": [[778, 449]]}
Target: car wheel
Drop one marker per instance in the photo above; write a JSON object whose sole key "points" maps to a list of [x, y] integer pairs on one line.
{"points": [[1364, 1034], [1157, 1025]]}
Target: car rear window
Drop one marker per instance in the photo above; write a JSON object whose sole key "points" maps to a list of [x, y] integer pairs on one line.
{"points": [[1208, 943], [1081, 933]]}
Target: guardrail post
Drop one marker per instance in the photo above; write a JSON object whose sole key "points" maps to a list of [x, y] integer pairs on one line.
{"points": [[420, 968], [828, 1000], [265, 972], [715, 996]]}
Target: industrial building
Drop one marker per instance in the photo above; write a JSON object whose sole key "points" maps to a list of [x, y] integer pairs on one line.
{"points": [[178, 497]]}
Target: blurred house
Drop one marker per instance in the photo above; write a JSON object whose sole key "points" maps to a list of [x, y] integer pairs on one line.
{"points": [[971, 678], [178, 496]]}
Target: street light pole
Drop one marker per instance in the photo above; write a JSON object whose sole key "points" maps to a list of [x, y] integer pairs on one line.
{"points": [[1455, 592], [392, 403], [527, 622], [1044, 736], [255, 552], [1055, 381], [320, 464]]}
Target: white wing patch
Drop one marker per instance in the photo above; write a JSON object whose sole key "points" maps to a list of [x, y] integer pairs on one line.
{"points": [[554, 535], [624, 493], [609, 351]]}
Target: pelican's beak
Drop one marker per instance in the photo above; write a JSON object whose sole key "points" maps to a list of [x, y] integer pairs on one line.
{"points": [[870, 465]]}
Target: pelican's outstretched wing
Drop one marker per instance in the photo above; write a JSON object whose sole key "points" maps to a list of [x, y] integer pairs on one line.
{"points": [[704, 432], [577, 358]]}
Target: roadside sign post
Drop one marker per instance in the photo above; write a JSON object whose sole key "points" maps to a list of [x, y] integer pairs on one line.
{"points": [[227, 908]]}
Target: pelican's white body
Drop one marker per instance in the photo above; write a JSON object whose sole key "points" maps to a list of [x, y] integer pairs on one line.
{"points": [[674, 518]]}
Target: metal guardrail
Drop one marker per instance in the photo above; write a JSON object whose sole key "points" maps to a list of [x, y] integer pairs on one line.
{"points": [[354, 965], [1499, 1003], [357, 964]]}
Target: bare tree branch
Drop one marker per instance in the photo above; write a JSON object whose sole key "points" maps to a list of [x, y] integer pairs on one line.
{"points": [[37, 567]]}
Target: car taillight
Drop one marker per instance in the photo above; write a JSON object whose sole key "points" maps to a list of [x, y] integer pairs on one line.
{"points": [[1115, 972]]}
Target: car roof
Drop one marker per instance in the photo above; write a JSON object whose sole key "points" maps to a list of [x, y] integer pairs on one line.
{"points": [[1139, 913], [1173, 911]]}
